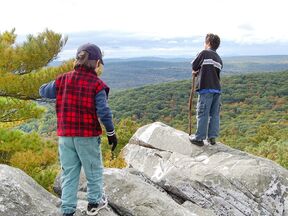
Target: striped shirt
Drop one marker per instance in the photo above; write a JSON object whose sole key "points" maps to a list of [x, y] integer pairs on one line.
{"points": [[208, 64]]}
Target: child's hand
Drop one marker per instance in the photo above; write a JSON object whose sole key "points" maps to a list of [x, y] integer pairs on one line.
{"points": [[195, 73]]}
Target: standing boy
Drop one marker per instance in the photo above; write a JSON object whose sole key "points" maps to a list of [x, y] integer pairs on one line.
{"points": [[206, 67], [81, 98]]}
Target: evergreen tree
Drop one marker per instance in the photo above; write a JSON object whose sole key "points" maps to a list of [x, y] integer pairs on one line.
{"points": [[23, 69]]}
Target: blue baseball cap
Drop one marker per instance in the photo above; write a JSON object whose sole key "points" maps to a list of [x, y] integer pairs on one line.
{"points": [[93, 50]]}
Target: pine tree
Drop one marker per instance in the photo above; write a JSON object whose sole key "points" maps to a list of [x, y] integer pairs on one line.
{"points": [[23, 69]]}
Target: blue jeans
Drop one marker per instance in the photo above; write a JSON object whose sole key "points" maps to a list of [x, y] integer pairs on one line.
{"points": [[208, 116], [76, 152]]}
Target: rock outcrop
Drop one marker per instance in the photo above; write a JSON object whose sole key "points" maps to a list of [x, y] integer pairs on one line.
{"points": [[216, 178], [166, 175]]}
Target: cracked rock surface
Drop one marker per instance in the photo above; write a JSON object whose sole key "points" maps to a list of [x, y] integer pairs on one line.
{"points": [[215, 178]]}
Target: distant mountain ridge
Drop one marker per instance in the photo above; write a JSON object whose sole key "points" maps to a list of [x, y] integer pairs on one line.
{"points": [[136, 72]]}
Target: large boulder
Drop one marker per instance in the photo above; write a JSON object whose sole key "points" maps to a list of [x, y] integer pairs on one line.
{"points": [[21, 195], [131, 193], [215, 178]]}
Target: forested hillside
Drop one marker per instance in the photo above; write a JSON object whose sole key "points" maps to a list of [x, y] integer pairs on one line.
{"points": [[253, 118]]}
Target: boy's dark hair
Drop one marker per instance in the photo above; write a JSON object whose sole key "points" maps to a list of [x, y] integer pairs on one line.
{"points": [[213, 40]]}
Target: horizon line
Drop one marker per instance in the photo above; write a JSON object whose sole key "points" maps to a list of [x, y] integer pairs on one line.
{"points": [[175, 57]]}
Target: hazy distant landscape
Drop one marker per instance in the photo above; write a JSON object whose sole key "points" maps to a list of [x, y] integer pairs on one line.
{"points": [[136, 72]]}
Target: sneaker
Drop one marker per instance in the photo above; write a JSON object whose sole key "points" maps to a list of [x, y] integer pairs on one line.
{"points": [[212, 141], [196, 142], [94, 208]]}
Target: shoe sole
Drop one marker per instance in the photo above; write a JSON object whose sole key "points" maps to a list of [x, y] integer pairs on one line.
{"points": [[211, 143], [96, 212], [198, 144]]}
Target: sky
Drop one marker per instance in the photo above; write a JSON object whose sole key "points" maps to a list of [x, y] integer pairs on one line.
{"points": [[164, 28]]}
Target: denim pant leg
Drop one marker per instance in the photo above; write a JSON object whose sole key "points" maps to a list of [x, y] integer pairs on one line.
{"points": [[89, 151], [71, 166], [214, 122], [203, 109]]}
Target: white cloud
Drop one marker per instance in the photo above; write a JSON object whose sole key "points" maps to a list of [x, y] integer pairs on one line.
{"points": [[242, 21], [172, 42], [163, 18], [125, 46], [246, 27]]}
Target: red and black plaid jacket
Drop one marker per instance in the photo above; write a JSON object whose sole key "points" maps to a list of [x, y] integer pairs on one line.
{"points": [[75, 103]]}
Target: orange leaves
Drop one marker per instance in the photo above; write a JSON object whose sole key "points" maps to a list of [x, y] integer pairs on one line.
{"points": [[31, 161], [113, 162]]}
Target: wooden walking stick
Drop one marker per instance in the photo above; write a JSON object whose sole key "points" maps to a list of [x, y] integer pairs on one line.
{"points": [[191, 102]]}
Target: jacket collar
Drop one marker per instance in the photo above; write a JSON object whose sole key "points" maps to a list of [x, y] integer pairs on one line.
{"points": [[83, 69]]}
